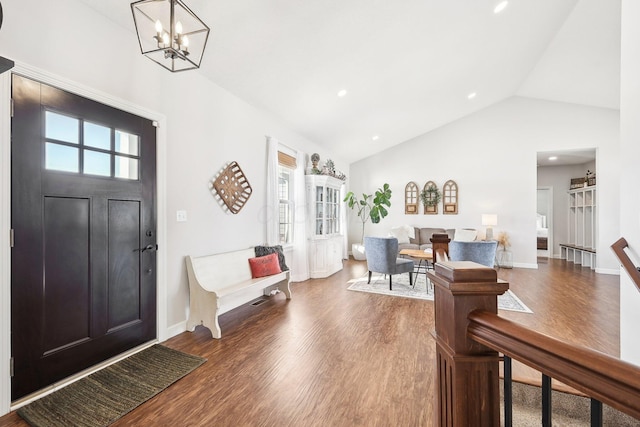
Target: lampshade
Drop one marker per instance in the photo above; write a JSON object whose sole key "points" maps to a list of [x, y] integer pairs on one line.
{"points": [[489, 219], [170, 33]]}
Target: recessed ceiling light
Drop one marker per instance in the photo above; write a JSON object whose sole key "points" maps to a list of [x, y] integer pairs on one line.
{"points": [[375, 137], [500, 7], [471, 95], [342, 93], [552, 158]]}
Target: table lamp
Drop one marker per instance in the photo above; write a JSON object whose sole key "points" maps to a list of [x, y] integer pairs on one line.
{"points": [[489, 220]]}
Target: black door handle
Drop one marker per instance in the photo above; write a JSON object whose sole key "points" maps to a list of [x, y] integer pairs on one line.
{"points": [[148, 248]]}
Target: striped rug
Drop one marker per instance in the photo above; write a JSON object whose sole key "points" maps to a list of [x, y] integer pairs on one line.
{"points": [[105, 396]]}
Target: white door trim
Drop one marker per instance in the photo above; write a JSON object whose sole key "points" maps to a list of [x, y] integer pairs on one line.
{"points": [[5, 251], [5, 205]]}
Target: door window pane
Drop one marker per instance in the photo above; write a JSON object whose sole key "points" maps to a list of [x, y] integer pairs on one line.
{"points": [[96, 163], [61, 157], [97, 136], [100, 148], [62, 128], [127, 143], [126, 168]]}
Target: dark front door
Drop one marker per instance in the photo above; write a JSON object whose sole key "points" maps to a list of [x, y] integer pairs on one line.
{"points": [[83, 280]]}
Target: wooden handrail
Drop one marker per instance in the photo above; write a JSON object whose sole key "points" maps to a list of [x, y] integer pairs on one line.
{"points": [[618, 248], [610, 380]]}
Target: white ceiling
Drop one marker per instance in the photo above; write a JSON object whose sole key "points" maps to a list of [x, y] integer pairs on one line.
{"points": [[562, 158], [407, 66]]}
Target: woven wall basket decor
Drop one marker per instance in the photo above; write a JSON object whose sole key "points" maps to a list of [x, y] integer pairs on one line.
{"points": [[232, 187]]}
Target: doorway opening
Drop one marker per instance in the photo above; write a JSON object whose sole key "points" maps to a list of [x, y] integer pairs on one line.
{"points": [[544, 222], [555, 173]]}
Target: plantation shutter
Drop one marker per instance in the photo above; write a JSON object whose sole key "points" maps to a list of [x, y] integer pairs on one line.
{"points": [[286, 160]]}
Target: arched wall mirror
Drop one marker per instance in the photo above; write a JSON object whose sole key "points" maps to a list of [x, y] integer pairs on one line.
{"points": [[411, 198], [430, 198], [450, 198]]}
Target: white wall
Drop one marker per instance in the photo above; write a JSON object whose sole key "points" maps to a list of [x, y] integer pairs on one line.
{"points": [[492, 156], [206, 127], [630, 176], [559, 178]]}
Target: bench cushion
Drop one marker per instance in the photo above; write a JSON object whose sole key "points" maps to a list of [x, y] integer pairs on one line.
{"points": [[264, 266]]}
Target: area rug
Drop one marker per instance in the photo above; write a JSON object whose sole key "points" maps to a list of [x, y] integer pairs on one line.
{"points": [[105, 396], [380, 285]]}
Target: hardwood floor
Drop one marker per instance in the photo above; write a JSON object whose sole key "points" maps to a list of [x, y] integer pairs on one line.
{"points": [[334, 357]]}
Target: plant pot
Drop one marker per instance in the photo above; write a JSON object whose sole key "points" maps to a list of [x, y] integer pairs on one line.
{"points": [[357, 250]]}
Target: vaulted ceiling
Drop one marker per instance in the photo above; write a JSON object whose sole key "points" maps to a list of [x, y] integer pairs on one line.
{"points": [[408, 67]]}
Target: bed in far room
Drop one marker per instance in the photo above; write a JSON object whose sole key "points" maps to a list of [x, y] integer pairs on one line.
{"points": [[542, 232]]}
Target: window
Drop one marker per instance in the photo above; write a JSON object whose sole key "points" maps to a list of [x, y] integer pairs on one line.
{"points": [[286, 207], [78, 146]]}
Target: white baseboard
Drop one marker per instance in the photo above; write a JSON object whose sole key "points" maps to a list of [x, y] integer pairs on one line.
{"points": [[525, 265], [611, 271], [176, 329]]}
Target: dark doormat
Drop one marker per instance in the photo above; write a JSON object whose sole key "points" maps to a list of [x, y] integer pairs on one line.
{"points": [[105, 396]]}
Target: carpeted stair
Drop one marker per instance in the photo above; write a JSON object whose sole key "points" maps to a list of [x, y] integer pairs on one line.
{"points": [[567, 409]]}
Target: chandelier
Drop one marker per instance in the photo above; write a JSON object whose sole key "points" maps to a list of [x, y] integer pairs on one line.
{"points": [[170, 33]]}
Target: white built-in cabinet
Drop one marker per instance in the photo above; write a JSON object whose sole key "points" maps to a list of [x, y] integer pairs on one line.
{"points": [[582, 228], [324, 225]]}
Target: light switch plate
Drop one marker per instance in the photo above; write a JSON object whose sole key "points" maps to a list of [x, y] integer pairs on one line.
{"points": [[181, 216]]}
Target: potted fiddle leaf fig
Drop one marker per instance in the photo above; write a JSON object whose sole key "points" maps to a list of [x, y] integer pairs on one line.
{"points": [[368, 207]]}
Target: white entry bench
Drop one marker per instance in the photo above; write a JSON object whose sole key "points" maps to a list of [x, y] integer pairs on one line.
{"points": [[219, 283]]}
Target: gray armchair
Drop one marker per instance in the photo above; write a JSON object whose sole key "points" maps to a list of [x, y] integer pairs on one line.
{"points": [[382, 257], [482, 252]]}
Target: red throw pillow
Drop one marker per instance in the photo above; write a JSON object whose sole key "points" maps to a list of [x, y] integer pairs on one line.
{"points": [[264, 265]]}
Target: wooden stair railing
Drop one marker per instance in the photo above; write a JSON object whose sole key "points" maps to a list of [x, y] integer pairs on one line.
{"points": [[469, 334], [606, 378], [467, 373], [618, 248]]}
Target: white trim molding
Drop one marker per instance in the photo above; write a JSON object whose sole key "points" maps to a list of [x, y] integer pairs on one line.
{"points": [[611, 271], [525, 265], [5, 250], [5, 205]]}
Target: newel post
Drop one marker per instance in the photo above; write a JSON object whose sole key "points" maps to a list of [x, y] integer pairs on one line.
{"points": [[440, 246], [467, 388]]}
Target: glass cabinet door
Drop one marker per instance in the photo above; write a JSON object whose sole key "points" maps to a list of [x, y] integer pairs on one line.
{"points": [[319, 209], [332, 211], [325, 220], [329, 209]]}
